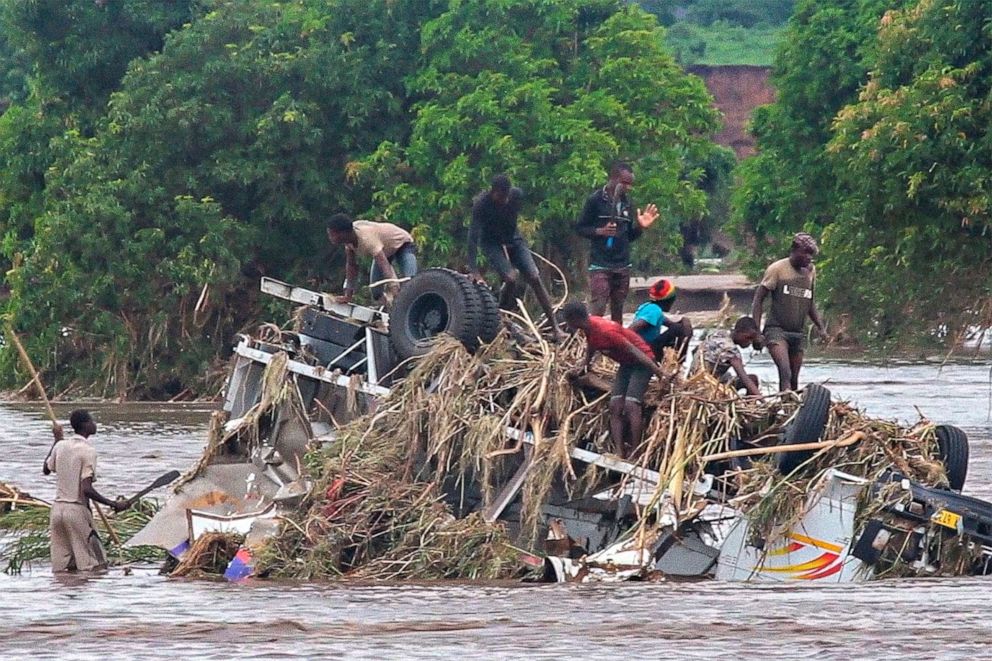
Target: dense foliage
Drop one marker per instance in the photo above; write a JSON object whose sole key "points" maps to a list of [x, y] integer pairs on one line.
{"points": [[823, 60], [169, 153], [218, 155], [910, 246], [550, 92], [77, 51], [878, 142]]}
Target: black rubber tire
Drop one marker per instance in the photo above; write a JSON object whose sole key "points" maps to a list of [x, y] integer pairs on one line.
{"points": [[491, 321], [952, 447], [806, 427], [435, 301]]}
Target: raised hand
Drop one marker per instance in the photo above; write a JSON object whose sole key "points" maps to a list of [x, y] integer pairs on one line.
{"points": [[647, 217]]}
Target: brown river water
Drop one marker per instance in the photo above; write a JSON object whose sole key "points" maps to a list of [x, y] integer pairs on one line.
{"points": [[143, 615]]}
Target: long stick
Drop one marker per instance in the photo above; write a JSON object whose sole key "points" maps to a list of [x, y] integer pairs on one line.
{"points": [[31, 370], [26, 359], [819, 445]]}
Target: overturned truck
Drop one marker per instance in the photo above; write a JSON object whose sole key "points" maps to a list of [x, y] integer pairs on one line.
{"points": [[449, 440]]}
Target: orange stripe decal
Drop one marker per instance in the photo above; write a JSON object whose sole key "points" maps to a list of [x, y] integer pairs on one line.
{"points": [[814, 565], [818, 543]]}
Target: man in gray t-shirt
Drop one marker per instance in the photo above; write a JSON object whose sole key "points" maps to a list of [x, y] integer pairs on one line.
{"points": [[790, 282]]}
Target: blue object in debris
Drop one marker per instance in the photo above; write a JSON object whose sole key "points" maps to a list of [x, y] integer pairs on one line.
{"points": [[240, 566], [178, 550]]}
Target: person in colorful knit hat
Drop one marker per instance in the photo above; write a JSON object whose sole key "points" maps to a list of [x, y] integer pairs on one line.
{"points": [[659, 327]]}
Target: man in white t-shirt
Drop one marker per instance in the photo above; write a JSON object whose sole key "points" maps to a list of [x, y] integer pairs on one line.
{"points": [[74, 542], [390, 247]]}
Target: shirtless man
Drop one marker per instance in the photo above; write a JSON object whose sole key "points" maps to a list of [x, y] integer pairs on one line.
{"points": [[791, 283], [75, 544]]}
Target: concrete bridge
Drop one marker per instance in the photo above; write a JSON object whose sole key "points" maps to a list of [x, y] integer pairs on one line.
{"points": [[700, 296]]}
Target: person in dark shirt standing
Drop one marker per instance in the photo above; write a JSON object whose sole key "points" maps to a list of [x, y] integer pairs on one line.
{"points": [[494, 230], [791, 283], [608, 221]]}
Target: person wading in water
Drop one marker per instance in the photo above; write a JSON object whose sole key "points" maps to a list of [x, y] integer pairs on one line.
{"points": [[75, 544]]}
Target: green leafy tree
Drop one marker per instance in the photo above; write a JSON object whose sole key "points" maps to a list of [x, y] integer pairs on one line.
{"points": [[910, 247], [82, 48], [76, 51], [790, 185], [549, 92], [217, 157]]}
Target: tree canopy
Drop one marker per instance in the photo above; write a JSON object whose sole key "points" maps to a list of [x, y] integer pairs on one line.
{"points": [[878, 142], [822, 63], [550, 92], [911, 244], [152, 180]]}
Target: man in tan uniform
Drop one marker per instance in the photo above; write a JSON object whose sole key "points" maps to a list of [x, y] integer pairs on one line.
{"points": [[74, 541], [390, 247], [791, 283]]}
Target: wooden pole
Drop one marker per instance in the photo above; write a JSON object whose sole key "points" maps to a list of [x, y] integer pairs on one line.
{"points": [[26, 359], [850, 439], [29, 366]]}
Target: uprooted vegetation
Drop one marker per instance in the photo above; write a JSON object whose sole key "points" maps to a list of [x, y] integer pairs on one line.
{"points": [[24, 535], [398, 492], [402, 491]]}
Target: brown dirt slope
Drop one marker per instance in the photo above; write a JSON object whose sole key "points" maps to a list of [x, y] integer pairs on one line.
{"points": [[737, 90]]}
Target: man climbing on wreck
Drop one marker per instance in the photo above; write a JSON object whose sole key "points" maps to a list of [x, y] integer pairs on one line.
{"points": [[493, 228], [718, 354], [609, 222], [74, 542], [390, 247], [791, 282], [636, 367]]}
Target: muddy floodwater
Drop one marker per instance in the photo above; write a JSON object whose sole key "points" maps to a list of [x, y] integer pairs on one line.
{"points": [[147, 616]]}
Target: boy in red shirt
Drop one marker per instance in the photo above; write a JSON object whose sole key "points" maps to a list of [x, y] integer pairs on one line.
{"points": [[632, 353]]}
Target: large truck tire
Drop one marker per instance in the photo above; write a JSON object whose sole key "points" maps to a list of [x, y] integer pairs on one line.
{"points": [[491, 321], [806, 427], [435, 301], [952, 446]]}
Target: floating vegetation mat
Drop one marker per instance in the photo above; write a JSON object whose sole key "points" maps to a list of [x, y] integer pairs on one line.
{"points": [[24, 536]]}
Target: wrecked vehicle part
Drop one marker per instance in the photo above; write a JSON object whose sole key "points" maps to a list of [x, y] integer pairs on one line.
{"points": [[448, 470]]}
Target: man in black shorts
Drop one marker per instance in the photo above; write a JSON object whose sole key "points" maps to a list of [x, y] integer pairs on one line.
{"points": [[791, 283], [494, 230]]}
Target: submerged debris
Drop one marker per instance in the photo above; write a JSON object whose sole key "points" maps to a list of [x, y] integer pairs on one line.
{"points": [[392, 490], [459, 463], [209, 556]]}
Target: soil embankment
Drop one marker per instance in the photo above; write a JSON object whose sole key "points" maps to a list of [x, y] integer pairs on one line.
{"points": [[737, 90]]}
